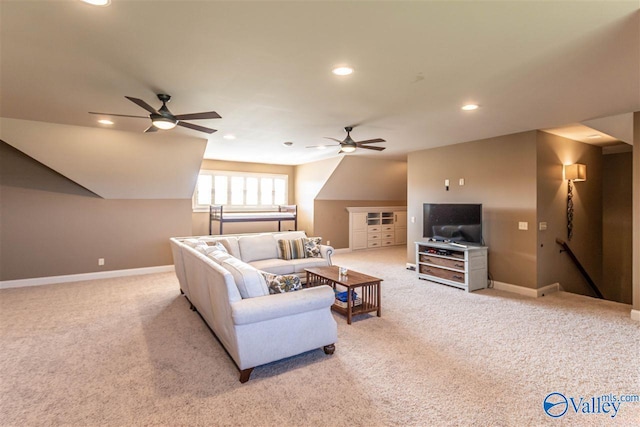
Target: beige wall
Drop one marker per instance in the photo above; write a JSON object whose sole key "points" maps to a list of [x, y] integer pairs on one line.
{"points": [[617, 231], [500, 173], [366, 178], [332, 218], [51, 226], [200, 220], [310, 178], [357, 181], [554, 267]]}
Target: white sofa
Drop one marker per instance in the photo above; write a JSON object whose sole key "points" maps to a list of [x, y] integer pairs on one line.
{"points": [[254, 326]]}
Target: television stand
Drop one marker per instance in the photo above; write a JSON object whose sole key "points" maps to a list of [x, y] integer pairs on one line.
{"points": [[462, 266]]}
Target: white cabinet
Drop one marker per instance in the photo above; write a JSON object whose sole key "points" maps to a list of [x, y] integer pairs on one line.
{"points": [[462, 267], [400, 226], [375, 227], [358, 226]]}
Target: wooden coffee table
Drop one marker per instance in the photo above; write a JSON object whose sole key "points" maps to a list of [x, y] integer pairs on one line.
{"points": [[369, 289]]}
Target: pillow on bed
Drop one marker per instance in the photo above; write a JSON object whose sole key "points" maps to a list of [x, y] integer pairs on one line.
{"points": [[312, 247], [291, 249], [279, 284]]}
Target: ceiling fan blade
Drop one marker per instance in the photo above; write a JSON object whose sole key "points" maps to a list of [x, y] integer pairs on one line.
{"points": [[196, 127], [199, 116], [118, 115], [371, 141], [318, 146], [151, 128], [371, 148], [142, 104], [333, 139]]}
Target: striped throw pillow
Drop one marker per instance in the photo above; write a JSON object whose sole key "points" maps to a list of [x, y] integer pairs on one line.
{"points": [[291, 249]]}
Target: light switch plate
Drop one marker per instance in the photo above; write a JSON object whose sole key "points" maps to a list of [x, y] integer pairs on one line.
{"points": [[522, 225], [542, 226]]}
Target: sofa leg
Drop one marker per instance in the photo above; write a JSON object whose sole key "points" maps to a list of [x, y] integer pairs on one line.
{"points": [[329, 349], [245, 374]]}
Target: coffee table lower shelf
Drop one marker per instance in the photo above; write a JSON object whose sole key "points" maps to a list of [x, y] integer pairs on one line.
{"points": [[369, 289]]}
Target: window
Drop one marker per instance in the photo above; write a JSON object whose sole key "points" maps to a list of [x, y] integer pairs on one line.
{"points": [[240, 190]]}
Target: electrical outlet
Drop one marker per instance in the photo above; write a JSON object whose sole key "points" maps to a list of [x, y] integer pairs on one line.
{"points": [[413, 220], [328, 242], [542, 226], [100, 261], [461, 182], [523, 225]]}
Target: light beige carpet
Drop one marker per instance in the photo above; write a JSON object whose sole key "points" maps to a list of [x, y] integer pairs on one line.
{"points": [[128, 351]]}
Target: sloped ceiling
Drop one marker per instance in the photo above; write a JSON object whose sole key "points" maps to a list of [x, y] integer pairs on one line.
{"points": [[360, 178], [112, 164], [265, 67]]}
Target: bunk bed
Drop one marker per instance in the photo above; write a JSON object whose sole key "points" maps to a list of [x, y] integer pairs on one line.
{"points": [[222, 216]]}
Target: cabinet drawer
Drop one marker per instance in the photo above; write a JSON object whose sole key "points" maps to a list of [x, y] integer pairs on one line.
{"points": [[374, 236], [388, 228], [374, 229], [387, 242], [374, 243], [455, 276], [450, 263], [388, 236]]}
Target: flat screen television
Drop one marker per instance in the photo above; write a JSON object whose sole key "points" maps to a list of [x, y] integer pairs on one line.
{"points": [[453, 222]]}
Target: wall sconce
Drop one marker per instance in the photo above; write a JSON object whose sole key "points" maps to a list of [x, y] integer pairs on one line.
{"points": [[575, 172]]}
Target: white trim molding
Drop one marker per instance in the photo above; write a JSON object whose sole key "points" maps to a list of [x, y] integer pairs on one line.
{"points": [[39, 281], [528, 292], [635, 315]]}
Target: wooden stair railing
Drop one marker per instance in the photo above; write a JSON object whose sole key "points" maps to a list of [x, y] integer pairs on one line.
{"points": [[575, 260]]}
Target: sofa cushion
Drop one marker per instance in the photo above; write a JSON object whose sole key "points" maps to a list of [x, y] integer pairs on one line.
{"points": [[229, 243], [261, 246], [288, 235], [248, 279], [279, 284], [291, 249], [194, 242], [275, 266], [219, 256], [312, 247]]}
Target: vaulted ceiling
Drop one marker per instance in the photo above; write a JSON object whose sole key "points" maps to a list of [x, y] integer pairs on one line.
{"points": [[265, 67]]}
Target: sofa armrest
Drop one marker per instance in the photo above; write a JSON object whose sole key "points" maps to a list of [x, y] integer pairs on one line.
{"points": [[326, 252], [253, 310]]}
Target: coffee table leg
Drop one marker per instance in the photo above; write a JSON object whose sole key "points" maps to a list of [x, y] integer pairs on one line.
{"points": [[348, 306], [379, 299]]}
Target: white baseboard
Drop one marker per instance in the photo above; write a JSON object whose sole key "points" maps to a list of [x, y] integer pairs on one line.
{"points": [[528, 292], [635, 315], [39, 281]]}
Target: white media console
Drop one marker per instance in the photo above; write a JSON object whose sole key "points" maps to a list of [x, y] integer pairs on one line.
{"points": [[461, 266]]}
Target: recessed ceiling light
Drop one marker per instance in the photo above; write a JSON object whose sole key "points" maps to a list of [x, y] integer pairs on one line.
{"points": [[97, 2], [105, 122], [229, 136], [594, 136], [470, 107], [342, 71], [287, 143]]}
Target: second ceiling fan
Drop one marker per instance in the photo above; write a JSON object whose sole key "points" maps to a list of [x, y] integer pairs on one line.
{"points": [[348, 145]]}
